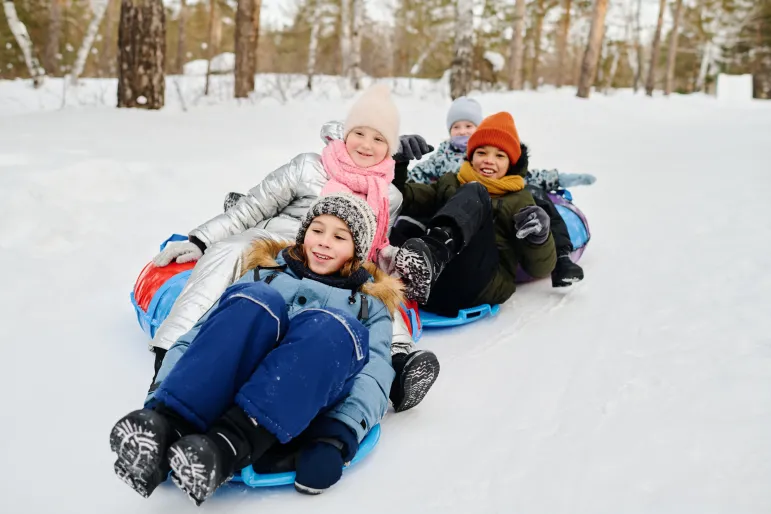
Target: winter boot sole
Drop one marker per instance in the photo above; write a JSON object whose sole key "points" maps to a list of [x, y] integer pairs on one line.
{"points": [[415, 265], [307, 490], [194, 467], [138, 441], [420, 373]]}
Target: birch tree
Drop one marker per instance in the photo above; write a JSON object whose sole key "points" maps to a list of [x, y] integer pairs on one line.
{"points": [[593, 49], [99, 7], [672, 50], [19, 31], [313, 44], [345, 37], [355, 62], [461, 72], [650, 84]]}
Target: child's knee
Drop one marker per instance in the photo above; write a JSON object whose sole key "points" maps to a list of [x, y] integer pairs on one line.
{"points": [[260, 294], [336, 327]]}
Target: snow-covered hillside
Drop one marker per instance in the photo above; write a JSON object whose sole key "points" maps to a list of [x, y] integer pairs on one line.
{"points": [[644, 389]]}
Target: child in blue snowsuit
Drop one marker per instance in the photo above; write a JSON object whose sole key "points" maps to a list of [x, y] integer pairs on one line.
{"points": [[297, 350], [464, 116]]}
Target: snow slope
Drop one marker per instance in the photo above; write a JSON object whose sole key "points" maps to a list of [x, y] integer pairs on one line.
{"points": [[644, 389]]}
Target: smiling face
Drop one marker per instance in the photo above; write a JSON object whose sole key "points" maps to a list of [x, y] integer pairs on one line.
{"points": [[490, 161], [462, 128], [366, 146], [328, 244]]}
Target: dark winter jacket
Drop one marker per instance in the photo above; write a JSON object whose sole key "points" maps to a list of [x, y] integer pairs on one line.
{"points": [[423, 201]]}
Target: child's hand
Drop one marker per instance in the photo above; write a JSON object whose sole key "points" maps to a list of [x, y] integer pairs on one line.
{"points": [[183, 251], [412, 147], [321, 460], [532, 223]]}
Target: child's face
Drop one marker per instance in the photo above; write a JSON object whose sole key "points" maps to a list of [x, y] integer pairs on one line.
{"points": [[366, 146], [328, 244], [462, 128], [490, 162]]}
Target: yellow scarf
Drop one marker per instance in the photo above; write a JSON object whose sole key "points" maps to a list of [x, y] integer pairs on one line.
{"points": [[494, 186]]}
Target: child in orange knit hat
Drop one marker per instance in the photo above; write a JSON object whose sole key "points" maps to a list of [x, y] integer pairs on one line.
{"points": [[483, 226]]}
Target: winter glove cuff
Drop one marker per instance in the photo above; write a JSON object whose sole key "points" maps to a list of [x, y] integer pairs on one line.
{"points": [[198, 243]]}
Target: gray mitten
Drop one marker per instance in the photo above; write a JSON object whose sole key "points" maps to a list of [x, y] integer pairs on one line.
{"points": [[532, 223]]}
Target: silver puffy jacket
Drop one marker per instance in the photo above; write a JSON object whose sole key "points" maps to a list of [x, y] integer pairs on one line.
{"points": [[273, 209]]}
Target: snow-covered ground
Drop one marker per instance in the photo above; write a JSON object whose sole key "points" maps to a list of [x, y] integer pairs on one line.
{"points": [[644, 389]]}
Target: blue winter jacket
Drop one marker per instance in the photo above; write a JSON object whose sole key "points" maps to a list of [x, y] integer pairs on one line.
{"points": [[367, 402]]}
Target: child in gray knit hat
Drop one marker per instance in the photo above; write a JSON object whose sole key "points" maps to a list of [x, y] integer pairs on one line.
{"points": [[464, 116]]}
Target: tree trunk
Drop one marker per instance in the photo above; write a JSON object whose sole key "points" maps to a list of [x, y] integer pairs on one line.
{"points": [[593, 49], [88, 40], [314, 43], [638, 48], [358, 21], [461, 73], [141, 54], [19, 31], [651, 82], [536, 45], [51, 60], [106, 57], [256, 42], [562, 43], [210, 44], [706, 60], [672, 50], [244, 70], [517, 57], [179, 65], [345, 37]]}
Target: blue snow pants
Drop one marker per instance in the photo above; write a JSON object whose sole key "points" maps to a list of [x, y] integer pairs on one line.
{"points": [[281, 372]]}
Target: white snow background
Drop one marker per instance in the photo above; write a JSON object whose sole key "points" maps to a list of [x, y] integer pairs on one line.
{"points": [[644, 389]]}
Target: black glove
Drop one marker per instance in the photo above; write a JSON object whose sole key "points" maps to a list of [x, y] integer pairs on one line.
{"points": [[412, 147]]}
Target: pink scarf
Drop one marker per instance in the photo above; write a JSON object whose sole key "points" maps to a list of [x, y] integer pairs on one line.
{"points": [[371, 184]]}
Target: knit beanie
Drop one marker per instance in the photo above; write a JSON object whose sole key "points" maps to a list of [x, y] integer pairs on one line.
{"points": [[353, 211], [499, 131], [375, 109], [464, 109]]}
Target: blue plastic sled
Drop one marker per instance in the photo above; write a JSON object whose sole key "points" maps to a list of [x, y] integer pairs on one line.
{"points": [[252, 479], [465, 316]]}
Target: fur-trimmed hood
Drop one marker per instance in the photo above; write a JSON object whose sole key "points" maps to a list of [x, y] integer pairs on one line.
{"points": [[387, 289]]}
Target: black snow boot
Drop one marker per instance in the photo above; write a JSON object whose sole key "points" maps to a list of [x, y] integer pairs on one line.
{"points": [[141, 439], [422, 259], [231, 199], [201, 463], [415, 374], [566, 272]]}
